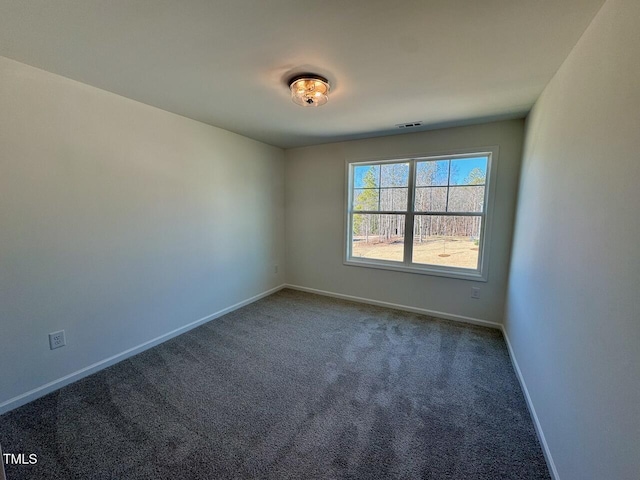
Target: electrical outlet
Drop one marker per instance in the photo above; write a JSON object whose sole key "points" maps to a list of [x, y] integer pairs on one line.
{"points": [[475, 292], [57, 340], [276, 269]]}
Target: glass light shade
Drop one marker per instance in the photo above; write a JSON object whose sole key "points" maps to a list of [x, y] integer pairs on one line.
{"points": [[309, 91]]}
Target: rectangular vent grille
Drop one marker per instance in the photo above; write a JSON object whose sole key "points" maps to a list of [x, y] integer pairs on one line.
{"points": [[408, 125]]}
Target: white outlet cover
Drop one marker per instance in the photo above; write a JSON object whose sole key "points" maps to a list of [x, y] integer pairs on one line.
{"points": [[475, 292], [57, 340]]}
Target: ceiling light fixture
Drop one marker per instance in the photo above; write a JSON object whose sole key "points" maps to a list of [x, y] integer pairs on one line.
{"points": [[309, 90]]}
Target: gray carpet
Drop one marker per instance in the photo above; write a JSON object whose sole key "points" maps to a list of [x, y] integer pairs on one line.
{"points": [[295, 386]]}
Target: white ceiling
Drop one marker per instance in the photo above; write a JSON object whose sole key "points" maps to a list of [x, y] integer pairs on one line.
{"points": [[226, 62]]}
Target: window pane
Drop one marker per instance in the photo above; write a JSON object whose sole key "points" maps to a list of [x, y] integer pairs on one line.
{"points": [[431, 199], [393, 198], [433, 173], [466, 199], [394, 175], [366, 176], [447, 241], [365, 198], [378, 237], [469, 171]]}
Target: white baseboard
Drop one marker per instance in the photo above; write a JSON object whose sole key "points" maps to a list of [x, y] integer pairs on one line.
{"points": [[84, 372], [107, 362], [460, 318], [534, 416], [396, 306]]}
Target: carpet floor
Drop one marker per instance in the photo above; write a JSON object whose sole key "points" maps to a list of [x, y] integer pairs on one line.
{"points": [[294, 386]]}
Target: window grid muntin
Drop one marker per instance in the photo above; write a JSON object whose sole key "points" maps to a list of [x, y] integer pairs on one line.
{"points": [[411, 212], [379, 188]]}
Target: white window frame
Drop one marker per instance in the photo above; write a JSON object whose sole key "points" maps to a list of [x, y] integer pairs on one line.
{"points": [[482, 272]]}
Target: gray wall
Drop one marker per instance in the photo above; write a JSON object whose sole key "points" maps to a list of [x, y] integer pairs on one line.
{"points": [[573, 315], [120, 222], [315, 209]]}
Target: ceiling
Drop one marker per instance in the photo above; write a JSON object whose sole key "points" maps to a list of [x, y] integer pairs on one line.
{"points": [[226, 62]]}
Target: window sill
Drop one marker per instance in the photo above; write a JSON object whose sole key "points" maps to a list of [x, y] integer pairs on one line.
{"points": [[451, 272]]}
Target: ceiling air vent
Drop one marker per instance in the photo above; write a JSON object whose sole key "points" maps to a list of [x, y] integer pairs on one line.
{"points": [[408, 125]]}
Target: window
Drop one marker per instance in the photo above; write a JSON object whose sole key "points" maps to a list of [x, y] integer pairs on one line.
{"points": [[425, 215]]}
